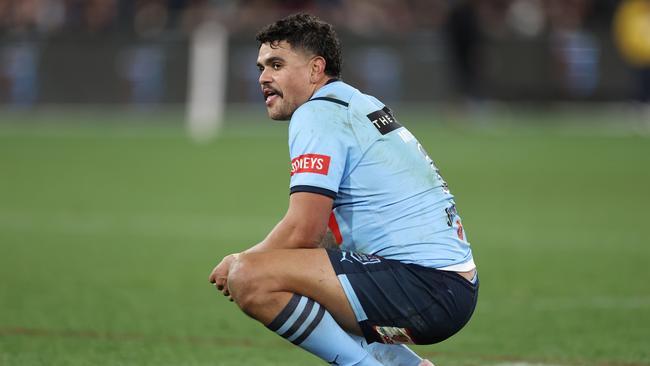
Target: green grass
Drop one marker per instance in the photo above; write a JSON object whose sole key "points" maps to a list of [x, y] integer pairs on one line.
{"points": [[109, 231]]}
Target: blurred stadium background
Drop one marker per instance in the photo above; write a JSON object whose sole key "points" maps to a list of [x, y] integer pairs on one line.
{"points": [[112, 215]]}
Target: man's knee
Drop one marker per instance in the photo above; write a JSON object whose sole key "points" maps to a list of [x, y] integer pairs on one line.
{"points": [[247, 283]]}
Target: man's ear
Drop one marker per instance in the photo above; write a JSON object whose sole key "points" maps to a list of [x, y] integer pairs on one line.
{"points": [[317, 69]]}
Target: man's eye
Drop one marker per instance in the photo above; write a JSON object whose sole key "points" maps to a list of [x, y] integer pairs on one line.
{"points": [[276, 66]]}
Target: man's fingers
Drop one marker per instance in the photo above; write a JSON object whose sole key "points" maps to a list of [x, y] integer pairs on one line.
{"points": [[220, 283], [223, 287]]}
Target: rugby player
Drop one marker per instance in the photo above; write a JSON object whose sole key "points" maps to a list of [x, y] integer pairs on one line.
{"points": [[403, 271]]}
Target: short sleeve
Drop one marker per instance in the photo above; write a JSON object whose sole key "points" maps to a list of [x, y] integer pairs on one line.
{"points": [[318, 148]]}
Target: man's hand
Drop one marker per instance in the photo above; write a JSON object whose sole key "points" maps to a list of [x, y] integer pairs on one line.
{"points": [[219, 275]]}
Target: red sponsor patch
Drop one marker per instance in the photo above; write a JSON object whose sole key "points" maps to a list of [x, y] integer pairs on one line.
{"points": [[310, 163]]}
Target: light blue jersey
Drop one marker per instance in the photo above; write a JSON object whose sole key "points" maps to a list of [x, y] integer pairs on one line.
{"points": [[389, 199]]}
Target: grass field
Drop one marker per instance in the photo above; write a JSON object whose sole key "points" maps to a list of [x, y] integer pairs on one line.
{"points": [[108, 232]]}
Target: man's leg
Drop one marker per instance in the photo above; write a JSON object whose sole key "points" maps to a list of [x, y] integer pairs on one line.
{"points": [[297, 294]]}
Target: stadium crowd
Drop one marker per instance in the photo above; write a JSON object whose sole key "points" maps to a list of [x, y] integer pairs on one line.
{"points": [[493, 17], [574, 30]]}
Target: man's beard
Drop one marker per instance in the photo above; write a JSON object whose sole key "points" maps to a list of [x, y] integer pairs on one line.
{"points": [[284, 113]]}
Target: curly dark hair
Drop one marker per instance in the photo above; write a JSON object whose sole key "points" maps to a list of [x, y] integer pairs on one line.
{"points": [[309, 33]]}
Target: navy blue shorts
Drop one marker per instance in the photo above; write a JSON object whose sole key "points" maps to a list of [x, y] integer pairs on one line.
{"points": [[396, 302]]}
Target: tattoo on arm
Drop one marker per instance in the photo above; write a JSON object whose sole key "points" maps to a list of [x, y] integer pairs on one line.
{"points": [[328, 241]]}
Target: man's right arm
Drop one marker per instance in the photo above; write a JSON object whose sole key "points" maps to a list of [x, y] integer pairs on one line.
{"points": [[303, 226]]}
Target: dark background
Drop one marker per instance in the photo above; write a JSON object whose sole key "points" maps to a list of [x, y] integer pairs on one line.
{"points": [[136, 52]]}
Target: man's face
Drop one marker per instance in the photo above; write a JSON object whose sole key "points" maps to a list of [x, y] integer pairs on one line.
{"points": [[284, 78]]}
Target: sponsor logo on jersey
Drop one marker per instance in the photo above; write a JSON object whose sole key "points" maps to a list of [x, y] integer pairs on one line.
{"points": [[384, 121], [451, 214], [310, 163], [452, 218]]}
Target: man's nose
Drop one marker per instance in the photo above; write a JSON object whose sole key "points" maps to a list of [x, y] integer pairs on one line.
{"points": [[265, 77]]}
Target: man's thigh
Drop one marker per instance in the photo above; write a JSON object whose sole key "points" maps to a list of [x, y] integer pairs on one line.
{"points": [[306, 272]]}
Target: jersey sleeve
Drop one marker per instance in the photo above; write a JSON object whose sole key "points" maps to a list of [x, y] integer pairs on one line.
{"points": [[318, 148]]}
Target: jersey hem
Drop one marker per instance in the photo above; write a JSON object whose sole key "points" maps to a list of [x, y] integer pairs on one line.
{"points": [[461, 267]]}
